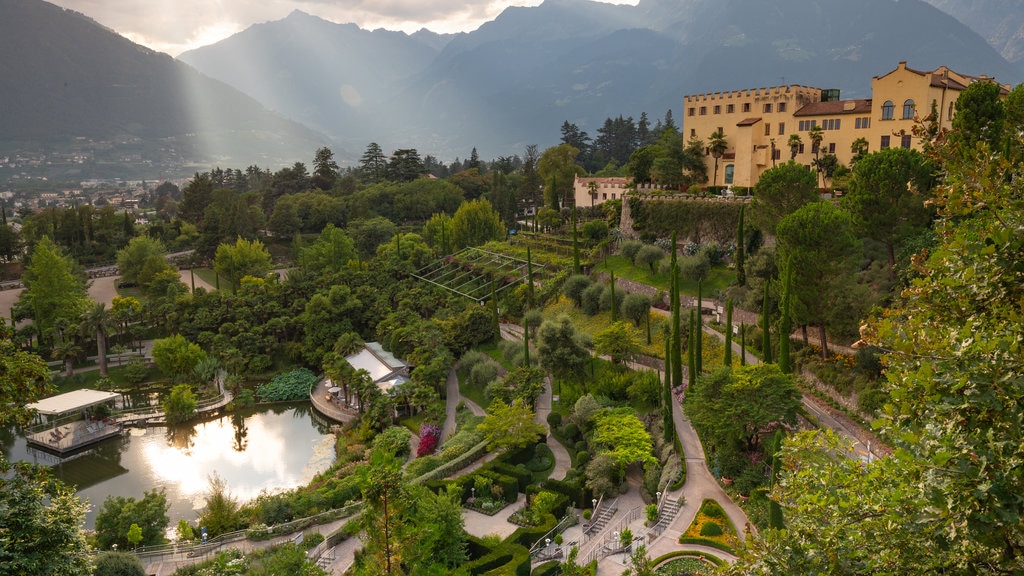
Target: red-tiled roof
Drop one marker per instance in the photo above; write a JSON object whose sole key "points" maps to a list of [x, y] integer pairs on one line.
{"points": [[748, 121], [860, 106]]}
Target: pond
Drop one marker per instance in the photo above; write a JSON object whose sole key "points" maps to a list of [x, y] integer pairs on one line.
{"points": [[270, 449]]}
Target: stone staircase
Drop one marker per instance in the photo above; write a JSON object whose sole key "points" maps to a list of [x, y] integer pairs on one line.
{"points": [[598, 522], [668, 512]]}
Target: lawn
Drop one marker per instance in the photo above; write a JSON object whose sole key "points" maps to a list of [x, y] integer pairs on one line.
{"points": [[719, 278], [210, 277]]}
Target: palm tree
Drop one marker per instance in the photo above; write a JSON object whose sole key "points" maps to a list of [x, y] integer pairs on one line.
{"points": [[859, 148], [795, 142], [816, 134], [66, 349], [717, 147], [99, 320]]}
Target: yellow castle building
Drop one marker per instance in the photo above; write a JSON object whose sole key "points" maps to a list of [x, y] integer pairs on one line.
{"points": [[760, 123]]}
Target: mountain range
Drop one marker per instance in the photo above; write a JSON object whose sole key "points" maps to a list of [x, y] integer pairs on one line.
{"points": [[276, 91], [514, 80], [69, 86]]}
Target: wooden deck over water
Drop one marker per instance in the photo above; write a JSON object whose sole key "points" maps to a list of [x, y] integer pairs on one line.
{"points": [[329, 405], [74, 435]]}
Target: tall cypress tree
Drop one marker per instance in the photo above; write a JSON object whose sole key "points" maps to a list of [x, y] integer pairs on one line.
{"points": [[611, 294], [677, 337], [699, 333], [766, 335], [575, 245], [741, 273], [529, 274], [691, 352], [785, 320], [526, 343], [728, 334], [743, 344]]}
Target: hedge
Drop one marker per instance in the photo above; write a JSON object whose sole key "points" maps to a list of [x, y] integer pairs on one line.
{"points": [[505, 558], [691, 218], [707, 542]]}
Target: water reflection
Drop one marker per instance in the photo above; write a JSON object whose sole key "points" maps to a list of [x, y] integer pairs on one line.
{"points": [[277, 448], [241, 433]]}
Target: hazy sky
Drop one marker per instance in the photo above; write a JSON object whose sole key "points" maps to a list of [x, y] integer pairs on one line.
{"points": [[174, 26]]}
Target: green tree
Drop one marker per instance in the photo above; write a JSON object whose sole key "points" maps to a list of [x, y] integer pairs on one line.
{"points": [[99, 321], [330, 252], [373, 165], [134, 535], [641, 163], [325, 169], [442, 540], [619, 341], [387, 534], [24, 378], [40, 523], [561, 352], [794, 143], [731, 409], [510, 426], [622, 436], [119, 513], [717, 145], [887, 197], [558, 168], [370, 233], [180, 404], [244, 258], [637, 307], [820, 241], [54, 289], [221, 513], [405, 165], [780, 191], [141, 260], [175, 356], [979, 118], [476, 223]]}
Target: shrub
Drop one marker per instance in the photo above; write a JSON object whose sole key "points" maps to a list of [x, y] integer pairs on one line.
{"points": [[483, 374], [630, 248], [554, 420], [712, 509], [582, 457], [590, 300], [135, 371], [310, 541], [648, 257], [595, 231], [710, 529], [180, 405], [118, 564], [575, 286], [393, 441], [571, 431]]}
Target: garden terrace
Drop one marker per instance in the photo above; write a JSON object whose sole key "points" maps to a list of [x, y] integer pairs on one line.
{"points": [[474, 273]]}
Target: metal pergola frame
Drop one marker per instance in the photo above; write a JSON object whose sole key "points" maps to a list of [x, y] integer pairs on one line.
{"points": [[457, 273]]}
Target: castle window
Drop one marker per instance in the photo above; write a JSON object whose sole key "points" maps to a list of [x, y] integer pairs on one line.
{"points": [[887, 110], [746, 106], [831, 147], [693, 132], [885, 142], [703, 110], [782, 106], [782, 128], [718, 109], [908, 110], [691, 112], [949, 115], [905, 141], [767, 129], [730, 108], [768, 108], [730, 170]]}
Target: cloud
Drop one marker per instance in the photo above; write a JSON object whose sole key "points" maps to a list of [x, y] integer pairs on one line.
{"points": [[174, 26]]}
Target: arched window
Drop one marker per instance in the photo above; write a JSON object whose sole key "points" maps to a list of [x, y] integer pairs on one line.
{"points": [[730, 170], [908, 110], [887, 110]]}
